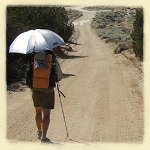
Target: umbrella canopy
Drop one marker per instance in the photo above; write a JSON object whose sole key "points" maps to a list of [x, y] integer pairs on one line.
{"points": [[35, 40]]}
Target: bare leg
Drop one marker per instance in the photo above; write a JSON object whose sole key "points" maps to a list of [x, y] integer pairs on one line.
{"points": [[46, 121], [38, 117]]}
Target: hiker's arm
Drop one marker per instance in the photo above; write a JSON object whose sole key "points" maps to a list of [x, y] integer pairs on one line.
{"points": [[59, 71], [55, 71]]}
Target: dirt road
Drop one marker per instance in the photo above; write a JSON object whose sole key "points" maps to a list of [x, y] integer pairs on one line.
{"points": [[104, 96]]}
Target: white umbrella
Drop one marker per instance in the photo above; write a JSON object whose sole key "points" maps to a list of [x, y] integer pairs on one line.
{"points": [[35, 40]]}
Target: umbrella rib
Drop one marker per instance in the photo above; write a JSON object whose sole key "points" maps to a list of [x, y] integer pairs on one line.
{"points": [[29, 42]]}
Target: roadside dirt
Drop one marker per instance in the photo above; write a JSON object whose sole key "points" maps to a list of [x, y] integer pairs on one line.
{"points": [[104, 96]]}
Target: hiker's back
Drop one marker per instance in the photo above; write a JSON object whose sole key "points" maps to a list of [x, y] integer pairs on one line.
{"points": [[42, 71]]}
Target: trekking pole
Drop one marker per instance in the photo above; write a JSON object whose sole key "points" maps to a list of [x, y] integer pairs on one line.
{"points": [[61, 93], [63, 113], [62, 109]]}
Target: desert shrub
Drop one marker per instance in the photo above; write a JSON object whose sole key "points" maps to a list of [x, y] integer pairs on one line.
{"points": [[137, 34], [97, 8], [114, 33], [121, 46], [102, 19], [108, 26], [73, 14]]}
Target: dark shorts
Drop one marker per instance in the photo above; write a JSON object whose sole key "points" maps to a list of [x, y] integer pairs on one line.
{"points": [[45, 99]]}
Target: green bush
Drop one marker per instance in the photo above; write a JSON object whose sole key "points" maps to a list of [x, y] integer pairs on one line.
{"points": [[23, 18], [137, 34]]}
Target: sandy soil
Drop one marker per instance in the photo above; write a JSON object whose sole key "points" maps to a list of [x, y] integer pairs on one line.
{"points": [[104, 97]]}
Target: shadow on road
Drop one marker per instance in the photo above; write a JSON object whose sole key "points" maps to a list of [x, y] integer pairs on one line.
{"points": [[17, 87], [50, 142], [70, 42], [67, 75], [63, 53]]}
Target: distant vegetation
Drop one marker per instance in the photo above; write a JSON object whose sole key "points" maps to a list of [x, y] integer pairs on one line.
{"points": [[73, 14], [21, 19], [122, 26], [97, 8], [107, 25]]}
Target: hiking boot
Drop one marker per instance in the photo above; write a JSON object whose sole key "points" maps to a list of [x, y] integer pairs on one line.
{"points": [[39, 134]]}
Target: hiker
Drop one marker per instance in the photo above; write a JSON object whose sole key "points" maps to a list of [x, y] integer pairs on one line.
{"points": [[44, 99]]}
